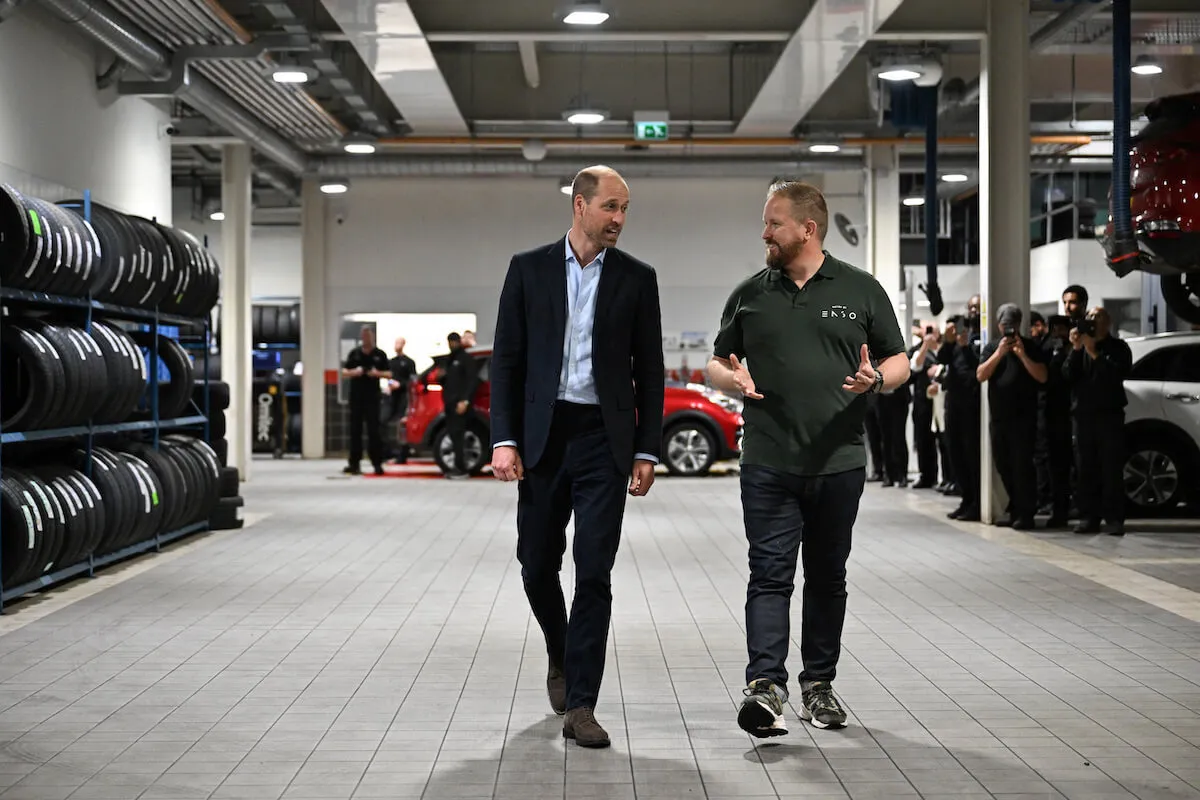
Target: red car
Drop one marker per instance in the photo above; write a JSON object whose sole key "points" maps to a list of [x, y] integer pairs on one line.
{"points": [[700, 426], [1164, 195]]}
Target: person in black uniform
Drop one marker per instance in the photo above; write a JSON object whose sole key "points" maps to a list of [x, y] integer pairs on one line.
{"points": [[1012, 367], [365, 367], [921, 358], [459, 381], [402, 369], [962, 412], [1096, 369], [1056, 420]]}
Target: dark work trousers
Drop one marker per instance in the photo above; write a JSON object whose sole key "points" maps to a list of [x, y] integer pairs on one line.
{"points": [[874, 436], [926, 443], [456, 428], [1060, 453], [943, 446], [365, 412], [576, 473], [1100, 445], [1041, 462], [962, 428], [786, 515], [1013, 441], [893, 420]]}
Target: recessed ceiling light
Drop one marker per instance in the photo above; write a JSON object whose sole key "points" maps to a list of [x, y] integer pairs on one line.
{"points": [[291, 75], [586, 14], [217, 216], [565, 188], [359, 148], [335, 187], [824, 148], [900, 74], [955, 177], [1145, 65], [914, 201], [586, 117]]}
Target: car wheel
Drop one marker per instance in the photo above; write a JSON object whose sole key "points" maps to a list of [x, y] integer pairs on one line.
{"points": [[689, 449], [1155, 477], [443, 450]]}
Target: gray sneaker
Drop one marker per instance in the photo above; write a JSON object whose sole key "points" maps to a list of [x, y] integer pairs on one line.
{"points": [[761, 713], [819, 707]]}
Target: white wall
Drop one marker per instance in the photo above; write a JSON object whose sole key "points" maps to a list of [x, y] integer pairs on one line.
{"points": [[274, 255], [59, 135], [444, 244]]}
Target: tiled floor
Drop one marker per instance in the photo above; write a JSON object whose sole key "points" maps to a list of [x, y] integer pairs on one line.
{"points": [[370, 639]]}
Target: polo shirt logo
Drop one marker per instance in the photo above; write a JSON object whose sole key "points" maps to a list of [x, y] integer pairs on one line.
{"points": [[839, 312]]}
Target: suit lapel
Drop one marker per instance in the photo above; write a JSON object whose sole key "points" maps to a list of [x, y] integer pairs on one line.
{"points": [[606, 292], [555, 277]]}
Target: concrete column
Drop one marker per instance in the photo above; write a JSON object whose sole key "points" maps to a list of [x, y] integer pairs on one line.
{"points": [[235, 302], [1003, 195], [313, 334], [883, 223]]}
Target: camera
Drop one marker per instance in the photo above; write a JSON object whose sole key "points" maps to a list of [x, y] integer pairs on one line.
{"points": [[929, 329], [1086, 327], [1009, 332]]}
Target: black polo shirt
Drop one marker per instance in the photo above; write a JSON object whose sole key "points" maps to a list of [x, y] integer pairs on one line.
{"points": [[800, 345]]}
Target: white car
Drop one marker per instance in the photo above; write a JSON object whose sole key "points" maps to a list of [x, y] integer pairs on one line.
{"points": [[1162, 423]]}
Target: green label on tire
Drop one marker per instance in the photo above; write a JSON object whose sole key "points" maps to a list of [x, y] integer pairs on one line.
{"points": [[37, 222], [154, 498]]}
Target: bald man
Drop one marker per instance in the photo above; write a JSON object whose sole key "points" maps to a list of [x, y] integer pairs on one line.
{"points": [[576, 412]]}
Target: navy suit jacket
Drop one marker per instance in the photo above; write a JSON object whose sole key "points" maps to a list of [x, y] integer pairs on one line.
{"points": [[627, 357]]}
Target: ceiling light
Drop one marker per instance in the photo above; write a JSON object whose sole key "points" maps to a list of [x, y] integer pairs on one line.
{"points": [[899, 74], [586, 116], [586, 14], [1145, 65], [293, 75], [914, 201], [359, 148], [217, 216], [824, 148], [565, 188], [335, 187], [955, 177]]}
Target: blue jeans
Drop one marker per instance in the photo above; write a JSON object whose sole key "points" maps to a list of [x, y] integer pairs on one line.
{"points": [[789, 516]]}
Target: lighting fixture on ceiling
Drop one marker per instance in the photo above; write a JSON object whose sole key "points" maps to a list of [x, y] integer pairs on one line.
{"points": [[217, 216], [586, 13], [914, 201], [1145, 65], [824, 147], [955, 177], [585, 116], [899, 74], [336, 186], [922, 70], [565, 187], [358, 144], [293, 73]]}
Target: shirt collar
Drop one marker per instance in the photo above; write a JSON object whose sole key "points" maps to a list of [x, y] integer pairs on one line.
{"points": [[571, 252], [828, 269]]}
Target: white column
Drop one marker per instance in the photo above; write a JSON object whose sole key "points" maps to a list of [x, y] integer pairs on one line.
{"points": [[883, 223], [313, 333], [235, 302], [1003, 195]]}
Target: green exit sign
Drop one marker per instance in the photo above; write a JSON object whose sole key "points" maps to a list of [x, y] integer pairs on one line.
{"points": [[652, 130]]}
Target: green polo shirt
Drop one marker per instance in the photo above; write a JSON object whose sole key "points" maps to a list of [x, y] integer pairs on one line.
{"points": [[800, 345]]}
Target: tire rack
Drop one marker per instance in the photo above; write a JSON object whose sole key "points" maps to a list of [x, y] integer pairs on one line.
{"points": [[87, 306]]}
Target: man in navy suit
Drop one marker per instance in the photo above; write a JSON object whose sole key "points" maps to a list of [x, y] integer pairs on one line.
{"points": [[576, 417]]}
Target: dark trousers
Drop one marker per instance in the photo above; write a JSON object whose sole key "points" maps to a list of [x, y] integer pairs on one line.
{"points": [[926, 444], [1100, 445], [576, 473], [785, 516], [962, 428], [893, 417], [943, 446], [365, 412], [1060, 452], [1013, 440], [456, 427], [874, 436]]}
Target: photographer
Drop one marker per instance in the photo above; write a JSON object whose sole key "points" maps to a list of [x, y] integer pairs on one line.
{"points": [[1054, 422], [961, 359], [1096, 369], [1012, 367]]}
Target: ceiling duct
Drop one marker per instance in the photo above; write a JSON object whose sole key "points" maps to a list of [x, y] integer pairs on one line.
{"points": [[116, 32]]}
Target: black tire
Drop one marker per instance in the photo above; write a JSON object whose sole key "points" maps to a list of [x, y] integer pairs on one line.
{"points": [[227, 515], [1157, 474], [218, 394], [174, 394], [34, 380], [216, 425], [689, 448], [22, 528], [128, 376], [474, 446], [230, 482]]}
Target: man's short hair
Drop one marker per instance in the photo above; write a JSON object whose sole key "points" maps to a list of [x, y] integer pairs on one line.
{"points": [[453, 338], [1035, 318], [807, 202], [1078, 291]]}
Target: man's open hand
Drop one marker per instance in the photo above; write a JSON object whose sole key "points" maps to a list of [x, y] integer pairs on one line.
{"points": [[864, 379], [506, 464], [642, 478]]}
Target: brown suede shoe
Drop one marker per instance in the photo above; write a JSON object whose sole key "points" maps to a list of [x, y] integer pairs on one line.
{"points": [[556, 688], [581, 726]]}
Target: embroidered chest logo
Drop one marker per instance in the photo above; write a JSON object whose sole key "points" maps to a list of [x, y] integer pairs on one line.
{"points": [[839, 312]]}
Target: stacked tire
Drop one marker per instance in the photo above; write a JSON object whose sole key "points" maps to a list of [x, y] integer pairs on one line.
{"points": [[275, 324], [218, 404], [115, 258], [60, 511]]}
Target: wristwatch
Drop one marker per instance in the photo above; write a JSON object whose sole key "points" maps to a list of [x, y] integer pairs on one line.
{"points": [[877, 386]]}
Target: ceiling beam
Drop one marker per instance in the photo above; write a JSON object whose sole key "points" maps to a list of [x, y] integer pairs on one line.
{"points": [[606, 36], [529, 63]]}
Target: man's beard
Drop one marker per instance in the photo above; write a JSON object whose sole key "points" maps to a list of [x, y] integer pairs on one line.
{"points": [[782, 256]]}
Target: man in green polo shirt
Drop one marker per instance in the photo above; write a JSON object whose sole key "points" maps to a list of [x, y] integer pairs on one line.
{"points": [[817, 335]]}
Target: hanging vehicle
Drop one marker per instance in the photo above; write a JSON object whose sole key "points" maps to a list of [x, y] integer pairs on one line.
{"points": [[1164, 194]]}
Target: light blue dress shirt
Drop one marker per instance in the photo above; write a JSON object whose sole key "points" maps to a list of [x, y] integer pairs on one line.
{"points": [[575, 382]]}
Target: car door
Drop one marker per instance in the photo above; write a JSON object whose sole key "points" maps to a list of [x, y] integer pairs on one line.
{"points": [[1181, 389]]}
